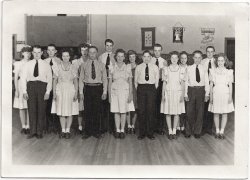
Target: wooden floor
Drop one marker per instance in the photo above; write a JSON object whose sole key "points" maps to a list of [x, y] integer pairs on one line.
{"points": [[110, 151]]}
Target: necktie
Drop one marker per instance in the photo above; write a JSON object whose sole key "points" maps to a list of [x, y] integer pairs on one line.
{"points": [[51, 63], [157, 62], [36, 69], [107, 62], [209, 66], [93, 70], [146, 73], [198, 79]]}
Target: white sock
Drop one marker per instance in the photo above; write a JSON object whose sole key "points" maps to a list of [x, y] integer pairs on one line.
{"points": [[222, 131], [182, 128], [174, 130], [118, 130], [27, 126], [132, 126], [217, 130], [178, 128], [23, 126], [67, 130], [129, 126], [122, 130], [170, 131], [80, 128], [63, 130]]}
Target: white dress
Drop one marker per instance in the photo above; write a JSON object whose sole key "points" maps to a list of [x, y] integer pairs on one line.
{"points": [[120, 89], [65, 91], [221, 81], [19, 102], [173, 91]]}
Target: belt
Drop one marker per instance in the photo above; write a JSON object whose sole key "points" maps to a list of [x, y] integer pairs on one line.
{"points": [[197, 87], [93, 84]]}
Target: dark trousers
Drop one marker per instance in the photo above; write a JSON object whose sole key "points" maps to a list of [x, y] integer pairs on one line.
{"points": [[195, 110], [208, 119], [93, 107], [52, 120], [108, 122], [36, 106], [159, 116], [183, 118], [146, 98]]}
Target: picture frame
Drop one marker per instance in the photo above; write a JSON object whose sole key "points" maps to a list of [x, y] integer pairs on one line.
{"points": [[178, 34], [148, 38]]}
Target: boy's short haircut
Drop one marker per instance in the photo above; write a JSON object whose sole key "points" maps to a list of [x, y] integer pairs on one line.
{"points": [[147, 51], [158, 45], [210, 47], [109, 41], [93, 47], [197, 52], [84, 45], [36, 47], [51, 45]]}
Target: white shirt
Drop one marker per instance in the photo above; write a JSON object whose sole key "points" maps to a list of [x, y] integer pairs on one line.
{"points": [[55, 60], [140, 74], [44, 74], [103, 58], [205, 63], [191, 78], [162, 63]]}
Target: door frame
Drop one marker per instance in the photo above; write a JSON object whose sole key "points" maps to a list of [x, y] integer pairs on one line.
{"points": [[225, 43]]}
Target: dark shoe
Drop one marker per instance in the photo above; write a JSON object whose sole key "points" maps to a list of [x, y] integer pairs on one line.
{"points": [[67, 136], [197, 136], [183, 132], [161, 132], [62, 135], [178, 132], [116, 135], [174, 136], [80, 131], [133, 130], [216, 136], [170, 137], [222, 136], [210, 132], [97, 136], [187, 136], [122, 135], [23, 131], [151, 137], [31, 136], [39, 136], [140, 137], [85, 136], [27, 131]]}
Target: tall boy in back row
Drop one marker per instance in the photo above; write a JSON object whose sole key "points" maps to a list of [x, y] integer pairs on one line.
{"points": [[196, 93], [107, 58], [52, 120], [160, 63], [208, 63]]}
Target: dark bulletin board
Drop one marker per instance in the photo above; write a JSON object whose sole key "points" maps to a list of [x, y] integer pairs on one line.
{"points": [[64, 31]]}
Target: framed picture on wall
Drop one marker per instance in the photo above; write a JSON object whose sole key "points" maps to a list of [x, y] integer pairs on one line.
{"points": [[178, 34], [148, 38]]}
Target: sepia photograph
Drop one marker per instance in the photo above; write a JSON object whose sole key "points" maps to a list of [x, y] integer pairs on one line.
{"points": [[126, 89]]}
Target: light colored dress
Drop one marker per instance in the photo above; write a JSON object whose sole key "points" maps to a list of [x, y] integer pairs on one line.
{"points": [[19, 102], [173, 91], [221, 80], [77, 64], [65, 91], [120, 89]]}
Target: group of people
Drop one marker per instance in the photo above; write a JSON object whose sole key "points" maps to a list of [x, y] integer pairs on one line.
{"points": [[111, 92]]}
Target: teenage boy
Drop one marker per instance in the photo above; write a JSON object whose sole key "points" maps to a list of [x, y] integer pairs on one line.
{"points": [[146, 83], [196, 93], [107, 58]]}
